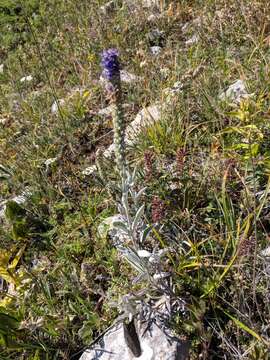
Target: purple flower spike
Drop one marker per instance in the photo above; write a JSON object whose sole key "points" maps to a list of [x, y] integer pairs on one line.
{"points": [[110, 64]]}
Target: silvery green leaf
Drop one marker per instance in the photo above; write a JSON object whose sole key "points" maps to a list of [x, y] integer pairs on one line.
{"points": [[139, 194], [139, 278], [5, 170], [145, 233], [133, 258], [126, 207], [137, 217], [4, 176], [134, 174], [120, 225]]}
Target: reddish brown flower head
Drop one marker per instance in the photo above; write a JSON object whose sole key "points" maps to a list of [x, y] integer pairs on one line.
{"points": [[158, 210]]}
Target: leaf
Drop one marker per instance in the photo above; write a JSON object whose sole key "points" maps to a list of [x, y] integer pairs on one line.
{"points": [[17, 258], [145, 233], [121, 226], [138, 217], [242, 325], [8, 323], [7, 276]]}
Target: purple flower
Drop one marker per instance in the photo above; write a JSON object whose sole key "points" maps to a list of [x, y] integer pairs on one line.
{"points": [[110, 64]]}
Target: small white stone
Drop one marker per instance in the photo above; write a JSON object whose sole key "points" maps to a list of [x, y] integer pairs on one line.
{"points": [[193, 40], [235, 92], [89, 170], [128, 77], [161, 275], [145, 117], [107, 226], [144, 254], [54, 108], [266, 252], [50, 161], [155, 50], [153, 17], [26, 78], [174, 90], [109, 151], [1, 68], [107, 111], [125, 77]]}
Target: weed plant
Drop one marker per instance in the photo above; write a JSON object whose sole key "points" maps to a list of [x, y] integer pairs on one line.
{"points": [[203, 168]]}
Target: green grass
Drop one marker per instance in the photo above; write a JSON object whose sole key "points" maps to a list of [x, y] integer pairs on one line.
{"points": [[215, 198]]}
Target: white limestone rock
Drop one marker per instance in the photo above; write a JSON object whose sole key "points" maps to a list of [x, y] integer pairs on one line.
{"points": [[89, 170], [1, 68], [193, 40], [266, 252], [128, 78], [155, 50], [155, 344], [145, 117], [56, 105], [27, 78], [235, 92]]}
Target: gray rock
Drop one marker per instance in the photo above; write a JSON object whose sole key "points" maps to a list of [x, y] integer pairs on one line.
{"points": [[145, 117], [155, 50], [56, 105], [193, 40], [154, 344], [89, 170], [266, 252], [27, 78], [235, 92]]}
